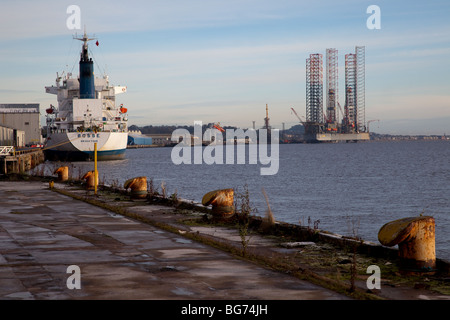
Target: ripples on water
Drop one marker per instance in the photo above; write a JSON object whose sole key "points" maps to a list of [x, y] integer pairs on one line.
{"points": [[351, 188]]}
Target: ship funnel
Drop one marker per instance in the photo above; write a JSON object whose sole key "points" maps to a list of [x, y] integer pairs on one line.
{"points": [[87, 84]]}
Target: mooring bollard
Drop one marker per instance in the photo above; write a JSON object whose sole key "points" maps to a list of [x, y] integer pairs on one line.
{"points": [[138, 187], [63, 173], [415, 237], [222, 202], [90, 179]]}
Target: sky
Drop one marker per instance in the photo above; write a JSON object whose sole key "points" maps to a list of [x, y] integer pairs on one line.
{"points": [[223, 61]]}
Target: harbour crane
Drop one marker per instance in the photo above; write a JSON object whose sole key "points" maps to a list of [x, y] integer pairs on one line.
{"points": [[301, 121], [369, 121], [340, 108], [218, 127]]}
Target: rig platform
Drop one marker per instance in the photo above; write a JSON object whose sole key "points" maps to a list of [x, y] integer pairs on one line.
{"points": [[337, 137]]}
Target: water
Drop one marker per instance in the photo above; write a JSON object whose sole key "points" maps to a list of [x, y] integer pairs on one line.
{"points": [[349, 189]]}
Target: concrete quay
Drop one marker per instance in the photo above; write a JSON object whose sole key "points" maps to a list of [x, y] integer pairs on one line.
{"points": [[43, 232]]}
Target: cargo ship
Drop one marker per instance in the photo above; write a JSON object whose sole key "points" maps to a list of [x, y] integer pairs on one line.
{"points": [[86, 114]]}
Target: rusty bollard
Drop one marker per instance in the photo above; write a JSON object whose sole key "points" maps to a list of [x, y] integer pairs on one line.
{"points": [[90, 179], [63, 173], [222, 202], [415, 237], [138, 187]]}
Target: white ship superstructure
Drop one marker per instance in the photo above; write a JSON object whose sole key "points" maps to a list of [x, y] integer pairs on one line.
{"points": [[86, 114]]}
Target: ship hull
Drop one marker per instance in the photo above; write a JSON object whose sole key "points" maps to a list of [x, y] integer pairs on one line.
{"points": [[76, 146], [73, 156]]}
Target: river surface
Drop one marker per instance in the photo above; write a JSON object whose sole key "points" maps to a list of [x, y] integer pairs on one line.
{"points": [[350, 189]]}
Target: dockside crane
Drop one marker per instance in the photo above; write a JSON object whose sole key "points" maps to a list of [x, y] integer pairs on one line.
{"points": [[218, 127], [369, 121], [298, 117], [340, 108]]}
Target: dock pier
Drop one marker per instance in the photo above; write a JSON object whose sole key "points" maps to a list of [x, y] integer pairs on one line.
{"points": [[12, 161]]}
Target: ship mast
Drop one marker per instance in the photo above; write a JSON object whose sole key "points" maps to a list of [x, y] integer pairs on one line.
{"points": [[85, 39]]}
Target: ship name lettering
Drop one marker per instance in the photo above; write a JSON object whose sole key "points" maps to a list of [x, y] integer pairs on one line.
{"points": [[89, 135]]}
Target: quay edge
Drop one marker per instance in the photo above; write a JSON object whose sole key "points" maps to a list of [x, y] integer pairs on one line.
{"points": [[287, 230], [21, 161]]}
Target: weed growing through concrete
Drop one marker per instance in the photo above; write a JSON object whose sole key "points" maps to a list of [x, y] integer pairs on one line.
{"points": [[152, 191], [353, 267], [316, 224], [243, 210], [115, 183], [269, 214], [163, 189], [269, 221], [174, 198]]}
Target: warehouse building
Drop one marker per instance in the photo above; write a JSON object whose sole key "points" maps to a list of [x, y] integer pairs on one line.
{"points": [[160, 139], [136, 138], [11, 137], [22, 117]]}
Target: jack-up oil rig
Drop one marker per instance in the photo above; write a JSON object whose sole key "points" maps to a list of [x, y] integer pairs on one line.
{"points": [[327, 126]]}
